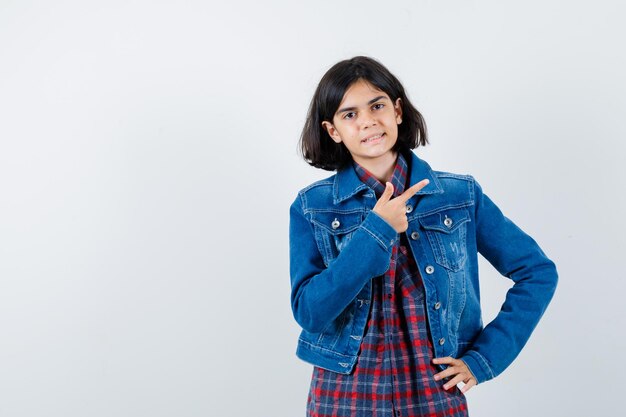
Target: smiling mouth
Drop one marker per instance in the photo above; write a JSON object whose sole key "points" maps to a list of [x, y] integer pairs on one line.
{"points": [[372, 138]]}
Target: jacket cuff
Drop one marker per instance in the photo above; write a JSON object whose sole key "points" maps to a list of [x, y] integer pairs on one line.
{"points": [[478, 366], [380, 230]]}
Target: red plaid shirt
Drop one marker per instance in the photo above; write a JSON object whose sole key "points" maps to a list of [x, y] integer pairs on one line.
{"points": [[393, 376]]}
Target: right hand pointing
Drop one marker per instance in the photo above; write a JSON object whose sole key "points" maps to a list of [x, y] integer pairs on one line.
{"points": [[393, 211]]}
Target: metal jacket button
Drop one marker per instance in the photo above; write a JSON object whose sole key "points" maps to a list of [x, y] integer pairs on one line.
{"points": [[335, 224], [430, 269], [448, 221], [415, 235], [437, 305], [442, 341], [409, 208]]}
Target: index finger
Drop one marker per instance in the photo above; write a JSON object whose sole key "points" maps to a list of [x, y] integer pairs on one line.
{"points": [[404, 197]]}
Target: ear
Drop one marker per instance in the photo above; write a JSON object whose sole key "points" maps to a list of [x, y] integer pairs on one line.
{"points": [[332, 131], [398, 109]]}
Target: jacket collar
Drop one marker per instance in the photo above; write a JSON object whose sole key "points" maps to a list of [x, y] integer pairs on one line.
{"points": [[347, 183]]}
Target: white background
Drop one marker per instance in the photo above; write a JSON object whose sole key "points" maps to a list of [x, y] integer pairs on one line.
{"points": [[148, 160]]}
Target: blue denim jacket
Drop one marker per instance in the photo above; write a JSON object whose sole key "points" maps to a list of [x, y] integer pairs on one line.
{"points": [[337, 245]]}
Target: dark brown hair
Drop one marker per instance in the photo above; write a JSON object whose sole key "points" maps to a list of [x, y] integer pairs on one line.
{"points": [[317, 147]]}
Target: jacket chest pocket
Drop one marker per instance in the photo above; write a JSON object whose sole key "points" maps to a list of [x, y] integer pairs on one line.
{"points": [[333, 231], [447, 231]]}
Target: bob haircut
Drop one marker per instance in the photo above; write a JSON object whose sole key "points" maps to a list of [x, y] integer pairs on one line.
{"points": [[317, 147]]}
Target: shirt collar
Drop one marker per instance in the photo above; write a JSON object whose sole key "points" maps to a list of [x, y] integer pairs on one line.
{"points": [[347, 183], [398, 177]]}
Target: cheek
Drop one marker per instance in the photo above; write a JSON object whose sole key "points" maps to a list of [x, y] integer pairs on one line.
{"points": [[393, 135], [344, 130]]}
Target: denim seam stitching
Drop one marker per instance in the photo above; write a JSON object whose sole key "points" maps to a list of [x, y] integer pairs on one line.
{"points": [[441, 208], [484, 361], [375, 237], [315, 184], [445, 174], [334, 210], [317, 347]]}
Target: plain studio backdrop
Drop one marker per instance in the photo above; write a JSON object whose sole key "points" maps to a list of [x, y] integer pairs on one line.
{"points": [[148, 160]]}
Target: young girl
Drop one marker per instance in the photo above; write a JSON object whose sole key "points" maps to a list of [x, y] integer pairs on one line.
{"points": [[384, 261]]}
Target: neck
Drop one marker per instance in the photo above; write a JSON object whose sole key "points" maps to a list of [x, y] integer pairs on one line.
{"points": [[380, 168]]}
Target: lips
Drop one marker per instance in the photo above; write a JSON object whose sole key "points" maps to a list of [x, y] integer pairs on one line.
{"points": [[373, 138]]}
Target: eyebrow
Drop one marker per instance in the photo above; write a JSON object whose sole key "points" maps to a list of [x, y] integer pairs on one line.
{"points": [[354, 108]]}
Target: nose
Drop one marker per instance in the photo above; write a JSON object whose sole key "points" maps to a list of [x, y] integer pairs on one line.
{"points": [[368, 120]]}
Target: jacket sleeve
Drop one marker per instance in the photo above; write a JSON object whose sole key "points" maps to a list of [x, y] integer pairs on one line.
{"points": [[518, 257], [319, 293]]}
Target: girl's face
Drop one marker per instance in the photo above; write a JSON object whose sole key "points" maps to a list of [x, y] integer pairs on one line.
{"points": [[367, 123]]}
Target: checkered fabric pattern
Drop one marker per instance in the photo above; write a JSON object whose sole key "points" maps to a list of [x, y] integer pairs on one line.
{"points": [[393, 376]]}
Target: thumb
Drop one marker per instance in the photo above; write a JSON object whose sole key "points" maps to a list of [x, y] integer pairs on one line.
{"points": [[387, 193]]}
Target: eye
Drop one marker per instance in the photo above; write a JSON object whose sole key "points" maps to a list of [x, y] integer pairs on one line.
{"points": [[348, 115], [378, 106]]}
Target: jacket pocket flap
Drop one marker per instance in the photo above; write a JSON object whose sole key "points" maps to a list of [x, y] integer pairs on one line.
{"points": [[445, 221], [337, 223]]}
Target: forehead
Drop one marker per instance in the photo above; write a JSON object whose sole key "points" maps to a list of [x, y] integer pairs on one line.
{"points": [[360, 92]]}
